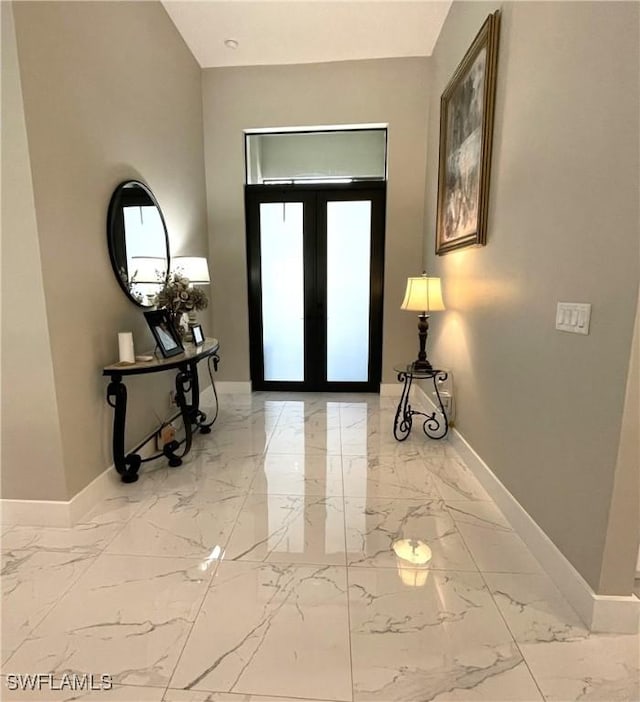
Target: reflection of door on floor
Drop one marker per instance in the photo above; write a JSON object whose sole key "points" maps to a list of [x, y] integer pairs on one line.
{"points": [[315, 263]]}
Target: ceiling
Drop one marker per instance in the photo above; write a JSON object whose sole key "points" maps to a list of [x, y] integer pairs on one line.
{"points": [[305, 31]]}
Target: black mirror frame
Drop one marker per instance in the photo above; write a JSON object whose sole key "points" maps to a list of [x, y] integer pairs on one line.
{"points": [[111, 212]]}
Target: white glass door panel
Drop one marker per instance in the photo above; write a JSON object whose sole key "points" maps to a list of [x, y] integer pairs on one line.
{"points": [[348, 290], [282, 275], [315, 261]]}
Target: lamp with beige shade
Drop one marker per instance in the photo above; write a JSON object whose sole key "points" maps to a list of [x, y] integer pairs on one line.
{"points": [[423, 294]]}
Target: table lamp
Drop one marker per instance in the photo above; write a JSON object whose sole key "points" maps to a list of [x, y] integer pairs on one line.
{"points": [[196, 269], [423, 294]]}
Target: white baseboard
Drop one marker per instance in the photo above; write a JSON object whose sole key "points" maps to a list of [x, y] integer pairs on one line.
{"points": [[66, 513], [48, 513], [54, 513], [601, 613]]}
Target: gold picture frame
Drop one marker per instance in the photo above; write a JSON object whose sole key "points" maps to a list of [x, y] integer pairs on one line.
{"points": [[466, 134]]}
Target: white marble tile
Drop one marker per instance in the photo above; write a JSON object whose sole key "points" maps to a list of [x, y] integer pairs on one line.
{"points": [[191, 524], [382, 445], [440, 639], [360, 418], [298, 437], [254, 423], [82, 693], [599, 667], [291, 474], [127, 616], [369, 433], [497, 549], [568, 662], [117, 509], [476, 513], [534, 609], [263, 416], [289, 529], [375, 527], [388, 477], [33, 581], [516, 685], [317, 414], [218, 474], [438, 450], [453, 479], [207, 463], [89, 538], [253, 438], [276, 623], [277, 630], [257, 403], [172, 695]]}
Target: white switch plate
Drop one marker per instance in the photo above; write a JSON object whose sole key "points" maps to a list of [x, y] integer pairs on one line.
{"points": [[573, 317]]}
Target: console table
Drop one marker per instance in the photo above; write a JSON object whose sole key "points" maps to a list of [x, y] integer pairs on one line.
{"points": [[432, 426], [186, 365]]}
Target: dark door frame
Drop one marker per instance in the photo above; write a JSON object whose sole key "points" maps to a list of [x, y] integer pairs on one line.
{"points": [[314, 199]]}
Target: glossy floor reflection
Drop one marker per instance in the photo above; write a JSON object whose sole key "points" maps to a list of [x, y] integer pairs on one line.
{"points": [[300, 553]]}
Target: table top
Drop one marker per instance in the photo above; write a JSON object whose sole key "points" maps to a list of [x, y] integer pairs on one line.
{"points": [[191, 353], [419, 374]]}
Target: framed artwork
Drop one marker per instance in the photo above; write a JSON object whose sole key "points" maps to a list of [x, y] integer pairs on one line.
{"points": [[466, 133], [167, 339], [198, 336]]}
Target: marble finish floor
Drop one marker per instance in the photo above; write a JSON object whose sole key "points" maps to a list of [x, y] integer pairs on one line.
{"points": [[300, 553]]}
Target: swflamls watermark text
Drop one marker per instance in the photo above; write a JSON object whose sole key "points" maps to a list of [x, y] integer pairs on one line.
{"points": [[69, 681]]}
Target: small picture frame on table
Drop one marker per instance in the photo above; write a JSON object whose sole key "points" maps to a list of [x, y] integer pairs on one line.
{"points": [[198, 335], [164, 333]]}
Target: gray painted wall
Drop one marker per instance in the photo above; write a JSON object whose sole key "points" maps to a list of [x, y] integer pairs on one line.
{"points": [[391, 91], [544, 408], [31, 442], [111, 92]]}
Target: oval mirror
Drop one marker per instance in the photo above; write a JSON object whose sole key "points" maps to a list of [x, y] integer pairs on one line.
{"points": [[138, 242]]}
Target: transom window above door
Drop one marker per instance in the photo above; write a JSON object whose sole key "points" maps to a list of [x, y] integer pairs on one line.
{"points": [[323, 155]]}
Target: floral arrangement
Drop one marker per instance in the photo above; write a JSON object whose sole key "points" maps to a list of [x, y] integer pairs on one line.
{"points": [[178, 296]]}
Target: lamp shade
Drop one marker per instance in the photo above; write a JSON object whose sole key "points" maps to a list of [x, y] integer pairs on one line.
{"points": [[195, 268], [423, 294], [148, 269]]}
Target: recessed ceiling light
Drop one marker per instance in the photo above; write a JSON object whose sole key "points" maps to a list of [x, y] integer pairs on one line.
{"points": [[231, 43]]}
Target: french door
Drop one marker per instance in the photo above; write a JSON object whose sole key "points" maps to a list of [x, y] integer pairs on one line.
{"points": [[315, 259]]}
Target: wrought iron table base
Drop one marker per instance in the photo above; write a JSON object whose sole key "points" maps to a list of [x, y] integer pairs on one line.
{"points": [[193, 419], [436, 424]]}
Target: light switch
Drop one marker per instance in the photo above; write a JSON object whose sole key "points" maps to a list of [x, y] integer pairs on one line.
{"points": [[573, 317]]}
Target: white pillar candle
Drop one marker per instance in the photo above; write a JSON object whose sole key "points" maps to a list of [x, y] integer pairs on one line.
{"points": [[125, 347]]}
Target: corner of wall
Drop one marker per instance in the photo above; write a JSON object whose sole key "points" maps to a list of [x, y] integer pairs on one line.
{"points": [[623, 529], [32, 458]]}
